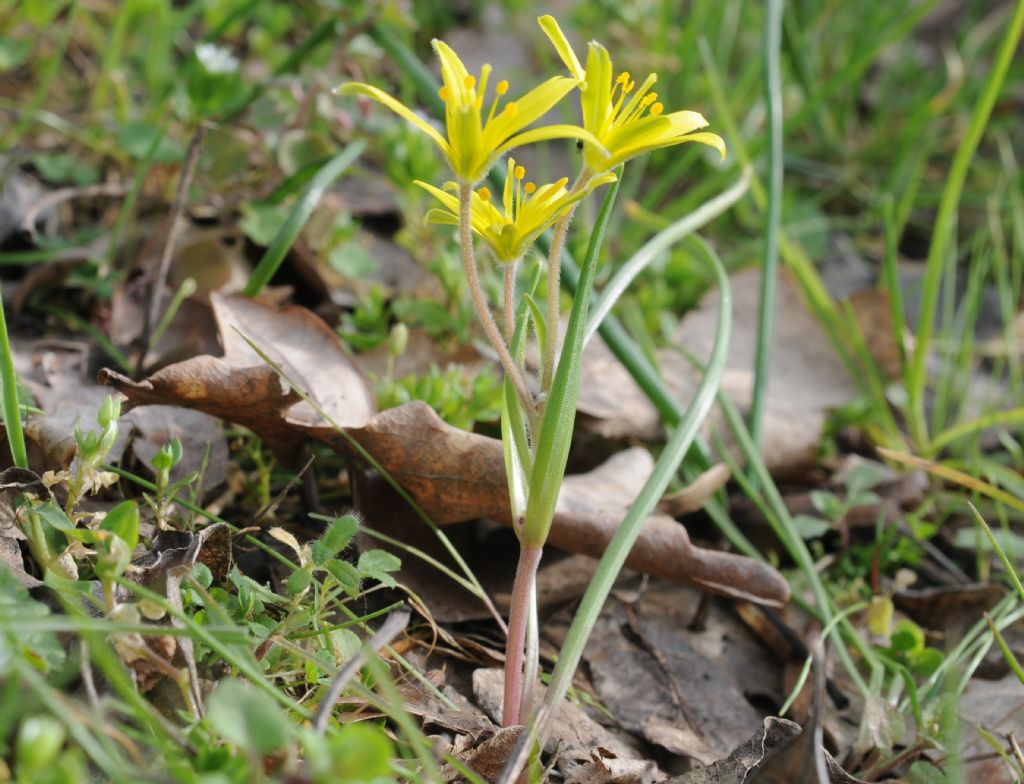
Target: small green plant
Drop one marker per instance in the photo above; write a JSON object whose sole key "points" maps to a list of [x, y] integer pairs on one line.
{"points": [[861, 480], [621, 120]]}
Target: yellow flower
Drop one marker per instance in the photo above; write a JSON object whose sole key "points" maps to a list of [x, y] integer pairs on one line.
{"points": [[474, 141], [526, 210], [625, 120]]}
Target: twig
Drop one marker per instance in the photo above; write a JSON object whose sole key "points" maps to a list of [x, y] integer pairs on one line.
{"points": [[394, 624], [180, 200], [28, 220]]}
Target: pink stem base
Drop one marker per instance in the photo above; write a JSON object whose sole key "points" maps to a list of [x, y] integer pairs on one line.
{"points": [[526, 575]]}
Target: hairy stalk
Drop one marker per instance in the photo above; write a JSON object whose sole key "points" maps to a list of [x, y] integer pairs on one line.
{"points": [[558, 235], [510, 300], [518, 618], [483, 312]]}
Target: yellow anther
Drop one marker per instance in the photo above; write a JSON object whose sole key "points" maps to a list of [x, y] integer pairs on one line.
{"points": [[511, 108], [657, 109], [650, 98], [623, 78], [484, 194], [529, 188], [501, 87], [561, 183], [519, 172], [445, 93], [470, 82], [628, 88]]}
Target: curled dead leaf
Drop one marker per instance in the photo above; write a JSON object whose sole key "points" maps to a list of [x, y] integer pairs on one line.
{"points": [[240, 387]]}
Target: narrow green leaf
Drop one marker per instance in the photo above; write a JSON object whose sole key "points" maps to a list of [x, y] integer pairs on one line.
{"points": [[1007, 564], [555, 434], [1011, 659], [300, 213]]}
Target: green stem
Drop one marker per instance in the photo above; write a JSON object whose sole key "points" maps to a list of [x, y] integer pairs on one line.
{"points": [[483, 312], [943, 230], [770, 265], [558, 236], [554, 299], [509, 306]]}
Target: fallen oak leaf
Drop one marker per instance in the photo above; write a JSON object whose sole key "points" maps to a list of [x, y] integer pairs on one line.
{"points": [[241, 387], [456, 476]]}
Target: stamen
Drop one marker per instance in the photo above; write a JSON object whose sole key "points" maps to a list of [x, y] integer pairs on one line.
{"points": [[657, 109], [470, 82], [519, 172], [501, 87], [649, 99], [445, 93], [623, 78], [530, 187], [628, 88], [484, 194]]}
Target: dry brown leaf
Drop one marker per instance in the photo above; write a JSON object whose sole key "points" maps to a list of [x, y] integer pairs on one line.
{"points": [[455, 476], [693, 497], [573, 730], [807, 379], [10, 556], [601, 770], [692, 706], [240, 387], [744, 761], [873, 310]]}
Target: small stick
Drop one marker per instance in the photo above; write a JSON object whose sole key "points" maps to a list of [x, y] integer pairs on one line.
{"points": [[394, 624], [180, 200]]}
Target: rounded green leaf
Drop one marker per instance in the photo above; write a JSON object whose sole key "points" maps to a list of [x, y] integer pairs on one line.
{"points": [[247, 718]]}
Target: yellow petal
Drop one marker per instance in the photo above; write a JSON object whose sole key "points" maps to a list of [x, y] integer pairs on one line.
{"points": [[561, 43], [441, 217], [596, 98], [453, 72], [398, 108], [447, 199], [652, 133], [686, 121], [546, 132], [710, 139], [531, 107]]}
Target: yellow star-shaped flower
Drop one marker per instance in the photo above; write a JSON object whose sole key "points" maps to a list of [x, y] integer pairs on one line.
{"points": [[526, 210], [474, 142], [626, 121]]}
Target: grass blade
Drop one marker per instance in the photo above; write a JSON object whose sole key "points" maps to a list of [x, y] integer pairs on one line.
{"points": [[301, 212], [944, 223], [773, 214], [660, 243]]}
